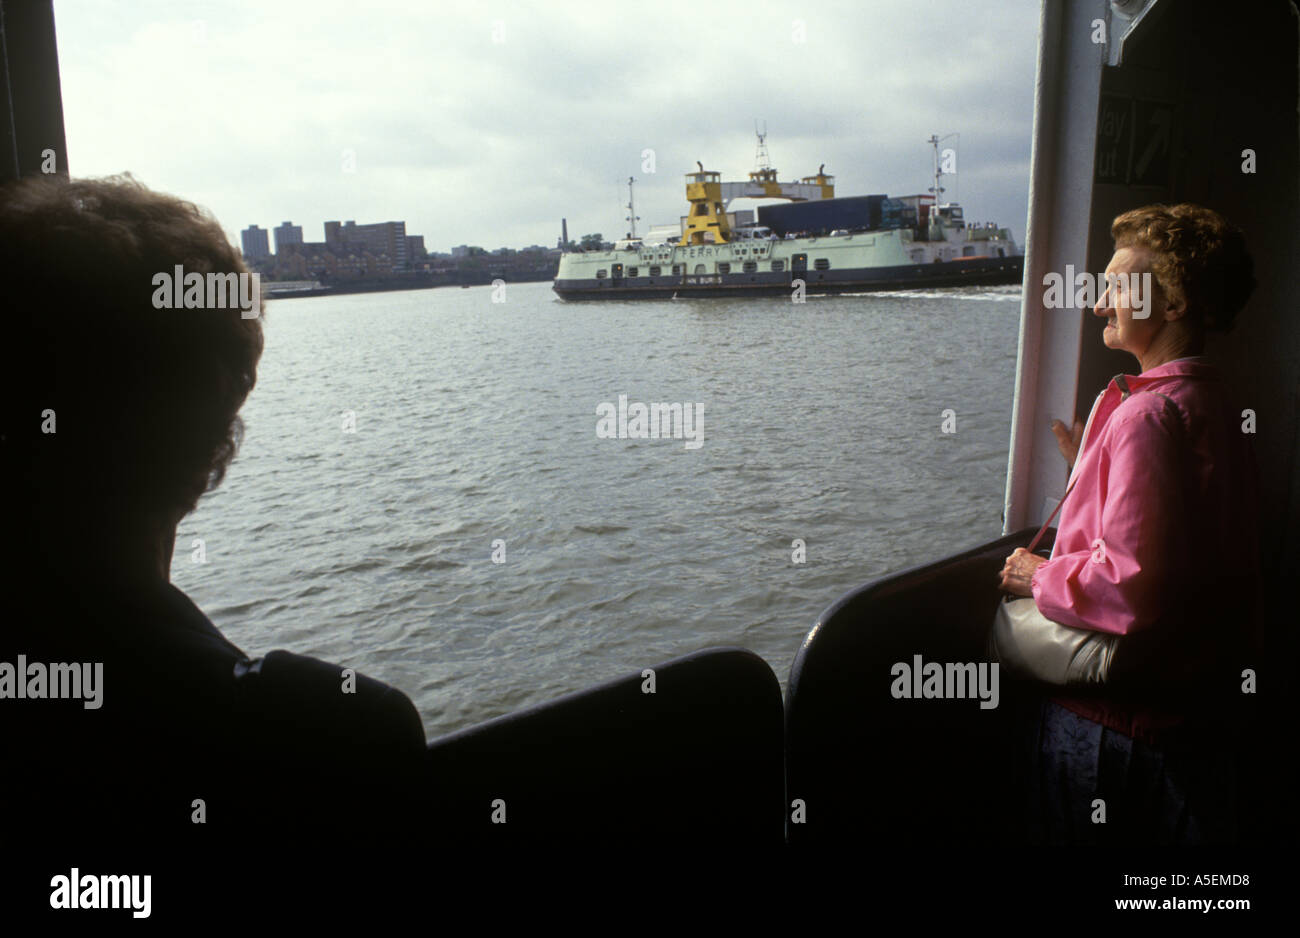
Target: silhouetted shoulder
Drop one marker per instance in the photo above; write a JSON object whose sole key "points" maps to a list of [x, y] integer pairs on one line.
{"points": [[172, 726]]}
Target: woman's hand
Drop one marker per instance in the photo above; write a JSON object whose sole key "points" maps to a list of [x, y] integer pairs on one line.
{"points": [[1068, 440], [1019, 570]]}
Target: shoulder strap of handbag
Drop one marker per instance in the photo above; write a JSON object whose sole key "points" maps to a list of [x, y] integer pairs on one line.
{"points": [[1124, 395], [1052, 517]]}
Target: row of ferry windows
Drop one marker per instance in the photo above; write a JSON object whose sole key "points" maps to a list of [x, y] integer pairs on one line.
{"points": [[757, 252], [749, 267]]}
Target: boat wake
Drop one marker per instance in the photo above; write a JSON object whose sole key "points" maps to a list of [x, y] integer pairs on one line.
{"points": [[964, 293]]}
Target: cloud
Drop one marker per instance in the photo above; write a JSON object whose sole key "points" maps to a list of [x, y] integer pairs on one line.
{"points": [[485, 123]]}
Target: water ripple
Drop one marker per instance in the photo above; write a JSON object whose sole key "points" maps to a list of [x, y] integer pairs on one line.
{"points": [[475, 442]]}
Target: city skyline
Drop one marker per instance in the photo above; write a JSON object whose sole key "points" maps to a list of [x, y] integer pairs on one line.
{"points": [[256, 242], [486, 126]]}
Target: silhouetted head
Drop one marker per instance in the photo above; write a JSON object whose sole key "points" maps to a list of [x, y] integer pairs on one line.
{"points": [[118, 412]]}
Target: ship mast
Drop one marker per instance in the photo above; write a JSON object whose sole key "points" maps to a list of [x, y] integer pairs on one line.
{"points": [[761, 159], [938, 190], [632, 216]]}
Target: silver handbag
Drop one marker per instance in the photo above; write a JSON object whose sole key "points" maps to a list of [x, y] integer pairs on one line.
{"points": [[1028, 644]]}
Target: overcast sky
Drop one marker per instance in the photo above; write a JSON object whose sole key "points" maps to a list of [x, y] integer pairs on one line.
{"points": [[485, 123]]}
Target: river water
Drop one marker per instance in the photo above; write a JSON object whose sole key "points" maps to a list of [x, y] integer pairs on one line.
{"points": [[395, 439]]}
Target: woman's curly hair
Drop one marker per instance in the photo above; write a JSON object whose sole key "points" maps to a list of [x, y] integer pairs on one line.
{"points": [[1196, 256], [144, 401]]}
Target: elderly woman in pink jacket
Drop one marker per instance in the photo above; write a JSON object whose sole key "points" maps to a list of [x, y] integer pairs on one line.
{"points": [[1157, 543]]}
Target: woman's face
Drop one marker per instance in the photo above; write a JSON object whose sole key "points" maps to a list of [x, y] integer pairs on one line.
{"points": [[1117, 303]]}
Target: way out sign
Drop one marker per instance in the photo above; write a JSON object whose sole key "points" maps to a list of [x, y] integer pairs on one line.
{"points": [[1133, 141]]}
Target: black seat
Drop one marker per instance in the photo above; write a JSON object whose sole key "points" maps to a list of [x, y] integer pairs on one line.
{"points": [[869, 767], [698, 760]]}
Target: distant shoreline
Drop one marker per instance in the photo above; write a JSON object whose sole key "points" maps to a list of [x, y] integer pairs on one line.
{"points": [[394, 285]]}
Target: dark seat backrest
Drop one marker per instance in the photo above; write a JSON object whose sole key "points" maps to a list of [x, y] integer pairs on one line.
{"points": [[867, 765], [697, 760]]}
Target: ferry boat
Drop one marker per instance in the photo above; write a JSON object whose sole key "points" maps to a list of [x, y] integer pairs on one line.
{"points": [[818, 244]]}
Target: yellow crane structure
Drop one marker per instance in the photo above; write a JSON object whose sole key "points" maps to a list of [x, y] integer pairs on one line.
{"points": [[709, 196]]}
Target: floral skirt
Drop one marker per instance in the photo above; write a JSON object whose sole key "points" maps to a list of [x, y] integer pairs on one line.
{"points": [[1088, 784]]}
